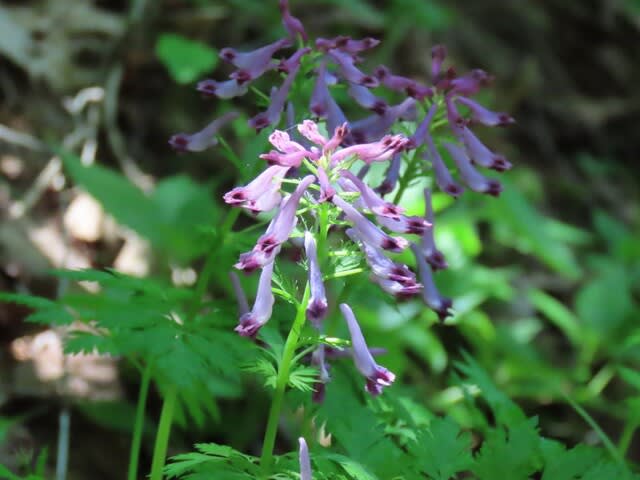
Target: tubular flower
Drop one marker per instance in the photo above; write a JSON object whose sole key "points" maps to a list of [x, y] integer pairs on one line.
{"points": [[305, 461], [262, 194], [318, 361], [228, 89], [391, 176], [377, 376], [318, 306], [430, 294], [469, 175], [205, 138], [260, 314], [292, 25], [253, 64], [433, 256]]}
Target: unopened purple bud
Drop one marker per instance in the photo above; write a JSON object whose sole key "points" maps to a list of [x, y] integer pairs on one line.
{"points": [[260, 314], [320, 95], [433, 256], [438, 54], [391, 176], [205, 138], [305, 461], [481, 155], [326, 190], [292, 24], [485, 116], [469, 175], [350, 72], [278, 97], [262, 194], [430, 294], [318, 306], [364, 98], [369, 232], [471, 83], [377, 376], [227, 89]]}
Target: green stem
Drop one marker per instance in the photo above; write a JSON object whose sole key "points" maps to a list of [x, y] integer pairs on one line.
{"points": [[162, 436], [626, 437], [138, 426], [281, 384]]}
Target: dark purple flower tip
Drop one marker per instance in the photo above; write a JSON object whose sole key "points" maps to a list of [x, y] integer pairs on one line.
{"points": [[260, 121], [382, 378], [248, 327], [317, 310], [470, 83], [207, 87], [419, 92], [228, 54], [241, 76], [437, 261], [180, 142], [319, 392], [260, 314], [293, 62], [227, 89], [501, 164], [432, 298], [493, 188]]}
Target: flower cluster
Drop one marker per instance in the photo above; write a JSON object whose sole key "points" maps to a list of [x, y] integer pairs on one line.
{"points": [[372, 224]]}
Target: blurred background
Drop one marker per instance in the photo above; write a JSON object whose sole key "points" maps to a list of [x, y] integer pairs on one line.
{"points": [[545, 279]]}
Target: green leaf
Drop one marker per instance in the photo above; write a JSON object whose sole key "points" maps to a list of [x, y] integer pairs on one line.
{"points": [[443, 450], [186, 60], [560, 316]]}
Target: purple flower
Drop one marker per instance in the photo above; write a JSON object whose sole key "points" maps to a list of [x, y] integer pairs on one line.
{"points": [[253, 64], [262, 194], [292, 24], [290, 152], [320, 95], [391, 176], [205, 138], [349, 71], [367, 231], [471, 83], [346, 44], [485, 116], [228, 89], [373, 127], [326, 190], [293, 61], [481, 155], [443, 176], [305, 461], [378, 151], [434, 257], [430, 294], [469, 175], [392, 277], [364, 98], [402, 84], [243, 304], [420, 134], [387, 213], [377, 376], [271, 116], [260, 314], [317, 307], [277, 233]]}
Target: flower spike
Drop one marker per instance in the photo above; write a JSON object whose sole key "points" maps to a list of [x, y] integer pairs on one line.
{"points": [[377, 376]]}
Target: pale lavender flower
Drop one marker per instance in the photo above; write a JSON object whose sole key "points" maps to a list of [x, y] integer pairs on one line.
{"points": [[292, 24], [377, 376], [305, 461], [291, 153], [205, 138], [485, 116], [469, 175], [317, 306], [243, 304], [366, 99], [432, 255], [228, 89], [349, 71], [443, 176], [430, 294], [369, 232], [278, 231], [260, 314], [378, 151], [262, 194]]}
